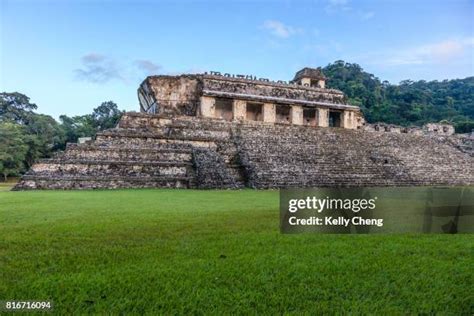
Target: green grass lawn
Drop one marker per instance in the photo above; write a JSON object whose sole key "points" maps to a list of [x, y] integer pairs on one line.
{"points": [[215, 252]]}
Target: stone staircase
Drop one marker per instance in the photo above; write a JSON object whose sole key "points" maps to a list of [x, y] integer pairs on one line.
{"points": [[289, 156], [212, 171]]}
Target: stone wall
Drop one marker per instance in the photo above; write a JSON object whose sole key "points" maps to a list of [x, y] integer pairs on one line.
{"points": [[438, 128], [429, 129], [191, 152], [172, 95]]}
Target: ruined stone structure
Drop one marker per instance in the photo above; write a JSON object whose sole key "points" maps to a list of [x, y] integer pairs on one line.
{"points": [[303, 101], [223, 131]]}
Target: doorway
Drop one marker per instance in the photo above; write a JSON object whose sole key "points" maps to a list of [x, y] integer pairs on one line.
{"points": [[335, 119]]}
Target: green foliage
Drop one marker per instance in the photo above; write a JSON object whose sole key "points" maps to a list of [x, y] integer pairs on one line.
{"points": [[106, 116], [408, 103], [103, 117], [464, 127], [77, 126], [175, 252], [41, 134], [13, 149], [15, 107], [44, 136]]}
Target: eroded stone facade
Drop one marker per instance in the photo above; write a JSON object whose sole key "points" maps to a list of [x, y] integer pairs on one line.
{"points": [[250, 99]]}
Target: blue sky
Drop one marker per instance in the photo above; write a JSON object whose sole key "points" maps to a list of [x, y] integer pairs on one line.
{"points": [[69, 56]]}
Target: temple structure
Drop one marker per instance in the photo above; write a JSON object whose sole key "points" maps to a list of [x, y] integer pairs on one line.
{"points": [[302, 101], [220, 131]]}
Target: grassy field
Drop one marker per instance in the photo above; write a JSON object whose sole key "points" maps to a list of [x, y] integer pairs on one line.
{"points": [[215, 252]]}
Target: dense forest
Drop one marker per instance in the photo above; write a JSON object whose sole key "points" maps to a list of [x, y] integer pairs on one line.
{"points": [[408, 103], [26, 136]]}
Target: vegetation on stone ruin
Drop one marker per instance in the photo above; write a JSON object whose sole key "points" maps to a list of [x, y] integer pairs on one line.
{"points": [[175, 252], [408, 103]]}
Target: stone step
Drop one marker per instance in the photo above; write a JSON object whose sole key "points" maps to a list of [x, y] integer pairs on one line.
{"points": [[153, 141], [164, 148], [163, 163], [103, 168], [129, 155], [168, 134], [94, 182]]}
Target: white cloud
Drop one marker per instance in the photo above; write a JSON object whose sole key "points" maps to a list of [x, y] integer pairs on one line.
{"points": [[97, 68], [446, 50], [366, 15], [439, 52], [279, 29], [443, 52], [93, 58], [147, 66]]}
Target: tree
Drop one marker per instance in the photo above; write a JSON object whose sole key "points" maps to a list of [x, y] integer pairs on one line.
{"points": [[464, 127], [15, 107], [408, 103], [77, 126], [13, 149], [106, 115], [27, 136], [103, 117], [43, 136]]}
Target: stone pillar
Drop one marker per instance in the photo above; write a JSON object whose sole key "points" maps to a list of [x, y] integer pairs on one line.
{"points": [[321, 83], [269, 112], [323, 117], [352, 124], [240, 110], [345, 117], [207, 108], [297, 115], [349, 120]]}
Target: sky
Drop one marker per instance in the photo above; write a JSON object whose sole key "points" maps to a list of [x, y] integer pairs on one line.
{"points": [[70, 56]]}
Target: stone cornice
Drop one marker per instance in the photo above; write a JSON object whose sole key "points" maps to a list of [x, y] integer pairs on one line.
{"points": [[270, 99]]}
